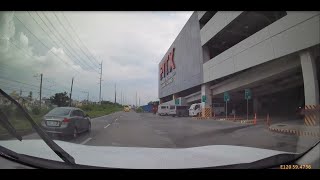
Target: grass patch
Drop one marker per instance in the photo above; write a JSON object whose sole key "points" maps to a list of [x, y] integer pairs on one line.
{"points": [[21, 123], [101, 110]]}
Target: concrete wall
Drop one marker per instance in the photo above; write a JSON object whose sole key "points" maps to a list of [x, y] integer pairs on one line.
{"points": [[220, 20], [200, 14], [187, 58], [294, 32]]}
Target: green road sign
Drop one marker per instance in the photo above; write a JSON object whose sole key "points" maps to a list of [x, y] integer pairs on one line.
{"points": [[226, 97], [203, 98], [177, 101], [247, 94]]}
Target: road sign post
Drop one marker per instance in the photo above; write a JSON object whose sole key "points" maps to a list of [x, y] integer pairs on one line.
{"points": [[226, 98], [247, 96]]}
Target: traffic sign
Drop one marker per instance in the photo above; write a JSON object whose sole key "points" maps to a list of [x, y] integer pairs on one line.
{"points": [[226, 97], [203, 98], [177, 101], [247, 94]]}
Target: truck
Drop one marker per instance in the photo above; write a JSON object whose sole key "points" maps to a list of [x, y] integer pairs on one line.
{"points": [[196, 108]]}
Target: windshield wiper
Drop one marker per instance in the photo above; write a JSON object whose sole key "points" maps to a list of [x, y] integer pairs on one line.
{"points": [[8, 126], [67, 158]]}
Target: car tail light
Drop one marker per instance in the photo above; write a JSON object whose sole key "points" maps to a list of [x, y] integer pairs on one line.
{"points": [[66, 120]]}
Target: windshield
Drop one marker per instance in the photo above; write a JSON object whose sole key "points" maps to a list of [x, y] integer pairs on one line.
{"points": [[59, 112], [224, 87]]}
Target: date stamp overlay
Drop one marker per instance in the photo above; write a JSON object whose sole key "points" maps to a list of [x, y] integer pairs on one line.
{"points": [[295, 166]]}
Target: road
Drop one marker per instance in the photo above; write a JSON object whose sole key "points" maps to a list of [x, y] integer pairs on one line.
{"points": [[131, 129]]}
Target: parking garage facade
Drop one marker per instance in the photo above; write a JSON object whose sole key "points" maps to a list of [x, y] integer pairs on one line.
{"points": [[274, 54]]}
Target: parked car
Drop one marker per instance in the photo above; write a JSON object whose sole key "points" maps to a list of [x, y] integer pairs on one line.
{"points": [[66, 121]]}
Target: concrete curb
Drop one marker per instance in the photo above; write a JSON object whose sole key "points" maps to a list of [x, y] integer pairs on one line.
{"points": [[295, 132]]}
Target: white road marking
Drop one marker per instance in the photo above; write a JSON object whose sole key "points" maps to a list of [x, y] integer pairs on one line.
{"points": [[116, 119], [107, 126], [87, 140]]}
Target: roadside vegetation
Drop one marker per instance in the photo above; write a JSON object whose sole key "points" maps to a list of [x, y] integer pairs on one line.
{"points": [[139, 110], [17, 119], [106, 107], [22, 125]]}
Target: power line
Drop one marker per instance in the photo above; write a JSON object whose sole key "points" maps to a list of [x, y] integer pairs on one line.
{"points": [[65, 40], [19, 48], [44, 44], [68, 52], [73, 39], [78, 37]]}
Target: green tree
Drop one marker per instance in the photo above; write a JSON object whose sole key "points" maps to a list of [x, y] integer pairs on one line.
{"points": [[60, 99]]}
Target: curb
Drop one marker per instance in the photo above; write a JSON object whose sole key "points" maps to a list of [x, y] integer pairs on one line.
{"points": [[247, 121], [295, 132]]}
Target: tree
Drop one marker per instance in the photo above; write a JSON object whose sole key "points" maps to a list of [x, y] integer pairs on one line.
{"points": [[30, 96], [60, 99]]}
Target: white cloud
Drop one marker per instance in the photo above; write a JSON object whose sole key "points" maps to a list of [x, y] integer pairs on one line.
{"points": [[130, 44]]}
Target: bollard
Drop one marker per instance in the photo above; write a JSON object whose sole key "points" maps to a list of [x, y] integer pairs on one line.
{"points": [[255, 119], [268, 122]]}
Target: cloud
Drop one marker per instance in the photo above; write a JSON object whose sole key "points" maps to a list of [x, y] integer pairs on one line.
{"points": [[130, 44]]}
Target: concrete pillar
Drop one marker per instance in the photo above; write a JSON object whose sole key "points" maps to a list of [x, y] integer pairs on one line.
{"points": [[310, 81], [205, 53], [205, 91]]}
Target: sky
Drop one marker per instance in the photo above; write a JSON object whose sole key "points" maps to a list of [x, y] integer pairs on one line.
{"points": [[66, 45]]}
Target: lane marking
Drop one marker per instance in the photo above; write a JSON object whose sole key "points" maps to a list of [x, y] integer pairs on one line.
{"points": [[107, 126], [87, 140]]}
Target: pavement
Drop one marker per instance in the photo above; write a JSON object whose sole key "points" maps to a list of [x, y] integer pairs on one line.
{"points": [[131, 129]]}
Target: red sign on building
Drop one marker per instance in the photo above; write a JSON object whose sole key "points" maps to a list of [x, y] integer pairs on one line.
{"points": [[168, 65]]}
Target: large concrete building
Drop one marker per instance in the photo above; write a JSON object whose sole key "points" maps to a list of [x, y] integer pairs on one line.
{"points": [[274, 54]]}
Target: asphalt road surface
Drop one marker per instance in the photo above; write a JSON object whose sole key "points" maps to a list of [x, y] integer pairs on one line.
{"points": [[131, 129]]}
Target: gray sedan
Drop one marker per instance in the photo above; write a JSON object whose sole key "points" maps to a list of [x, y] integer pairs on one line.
{"points": [[68, 121]]}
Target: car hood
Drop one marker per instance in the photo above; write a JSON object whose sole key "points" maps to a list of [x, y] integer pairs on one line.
{"points": [[144, 158]]}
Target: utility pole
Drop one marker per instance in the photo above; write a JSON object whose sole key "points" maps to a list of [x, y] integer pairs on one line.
{"points": [[115, 93], [136, 98], [121, 102], [70, 93], [139, 101], [40, 89], [20, 92], [100, 82]]}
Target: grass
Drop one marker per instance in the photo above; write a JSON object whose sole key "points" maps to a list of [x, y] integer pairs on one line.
{"points": [[101, 110], [20, 123]]}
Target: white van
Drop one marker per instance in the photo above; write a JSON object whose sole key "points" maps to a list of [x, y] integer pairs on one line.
{"points": [[163, 110], [179, 111], [195, 109]]}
